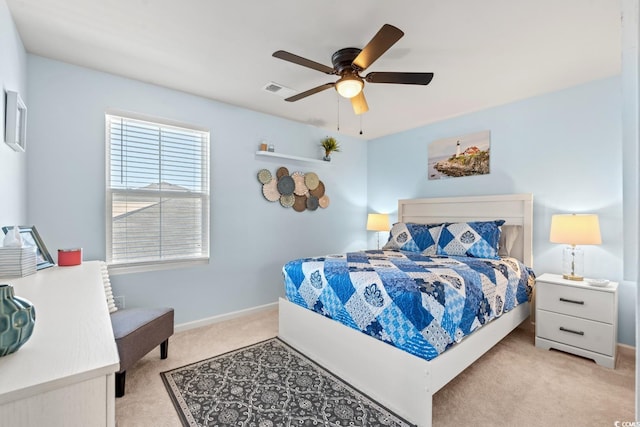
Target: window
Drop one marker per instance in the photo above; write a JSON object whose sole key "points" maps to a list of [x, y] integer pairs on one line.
{"points": [[157, 193]]}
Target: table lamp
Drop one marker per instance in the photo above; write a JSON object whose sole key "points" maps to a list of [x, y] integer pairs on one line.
{"points": [[574, 229], [378, 222]]}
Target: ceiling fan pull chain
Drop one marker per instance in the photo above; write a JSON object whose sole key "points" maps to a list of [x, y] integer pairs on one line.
{"points": [[361, 124], [338, 104]]}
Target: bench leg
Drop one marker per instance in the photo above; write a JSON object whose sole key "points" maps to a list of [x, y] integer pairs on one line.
{"points": [[120, 377], [164, 349]]}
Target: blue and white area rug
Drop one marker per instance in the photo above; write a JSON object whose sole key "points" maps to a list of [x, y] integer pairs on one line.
{"points": [[269, 384]]}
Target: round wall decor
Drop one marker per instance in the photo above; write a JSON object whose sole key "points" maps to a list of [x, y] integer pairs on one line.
{"points": [[282, 171], [270, 190], [301, 188], [318, 191], [311, 180], [264, 176], [300, 204], [324, 201], [312, 203], [286, 185], [300, 191]]}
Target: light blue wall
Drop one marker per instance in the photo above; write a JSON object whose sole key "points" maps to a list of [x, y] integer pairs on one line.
{"points": [[13, 165], [250, 238], [564, 147]]}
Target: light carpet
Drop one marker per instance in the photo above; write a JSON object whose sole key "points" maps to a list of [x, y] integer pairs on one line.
{"points": [[514, 384], [269, 384]]}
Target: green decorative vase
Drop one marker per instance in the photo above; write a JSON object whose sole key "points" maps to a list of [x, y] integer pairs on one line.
{"points": [[17, 319]]}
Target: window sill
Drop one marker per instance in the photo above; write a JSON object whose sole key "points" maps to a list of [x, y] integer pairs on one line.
{"points": [[118, 269]]}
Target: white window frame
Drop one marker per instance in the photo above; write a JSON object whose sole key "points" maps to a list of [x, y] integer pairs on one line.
{"points": [[160, 264]]}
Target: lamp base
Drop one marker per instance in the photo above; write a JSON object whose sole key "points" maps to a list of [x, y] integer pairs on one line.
{"points": [[572, 277], [572, 263]]}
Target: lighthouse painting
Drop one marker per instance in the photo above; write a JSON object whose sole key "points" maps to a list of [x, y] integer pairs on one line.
{"points": [[458, 156]]}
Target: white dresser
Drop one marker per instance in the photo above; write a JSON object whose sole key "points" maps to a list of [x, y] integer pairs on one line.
{"points": [[578, 318], [64, 375]]}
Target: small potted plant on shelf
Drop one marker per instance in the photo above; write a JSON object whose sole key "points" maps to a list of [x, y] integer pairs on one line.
{"points": [[329, 144]]}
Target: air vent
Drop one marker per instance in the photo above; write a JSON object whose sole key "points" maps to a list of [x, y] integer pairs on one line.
{"points": [[278, 89], [273, 87]]}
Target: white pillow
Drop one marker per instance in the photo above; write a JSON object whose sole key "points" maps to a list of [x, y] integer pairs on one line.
{"points": [[508, 238]]}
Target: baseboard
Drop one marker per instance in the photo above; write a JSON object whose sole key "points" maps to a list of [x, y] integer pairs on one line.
{"points": [[222, 317], [627, 349]]}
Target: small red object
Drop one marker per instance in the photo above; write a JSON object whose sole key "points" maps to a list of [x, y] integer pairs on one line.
{"points": [[68, 257]]}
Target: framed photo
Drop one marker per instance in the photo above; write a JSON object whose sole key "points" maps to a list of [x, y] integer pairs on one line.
{"points": [[15, 131], [457, 156], [30, 237]]}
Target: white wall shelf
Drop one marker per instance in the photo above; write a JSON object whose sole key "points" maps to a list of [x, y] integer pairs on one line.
{"points": [[289, 157]]}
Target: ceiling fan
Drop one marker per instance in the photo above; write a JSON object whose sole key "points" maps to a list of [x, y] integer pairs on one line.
{"points": [[350, 61]]}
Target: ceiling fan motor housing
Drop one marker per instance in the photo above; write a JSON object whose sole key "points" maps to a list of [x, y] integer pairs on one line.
{"points": [[342, 60]]}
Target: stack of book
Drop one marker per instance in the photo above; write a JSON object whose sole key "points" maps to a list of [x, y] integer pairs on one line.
{"points": [[17, 262]]}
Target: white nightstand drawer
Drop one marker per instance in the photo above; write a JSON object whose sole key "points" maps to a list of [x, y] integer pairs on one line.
{"points": [[581, 333], [585, 303]]}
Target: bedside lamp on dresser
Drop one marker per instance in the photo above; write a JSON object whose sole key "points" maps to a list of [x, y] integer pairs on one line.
{"points": [[573, 314], [573, 230], [378, 223]]}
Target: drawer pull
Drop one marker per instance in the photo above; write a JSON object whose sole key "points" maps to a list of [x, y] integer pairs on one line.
{"points": [[562, 328], [571, 301]]}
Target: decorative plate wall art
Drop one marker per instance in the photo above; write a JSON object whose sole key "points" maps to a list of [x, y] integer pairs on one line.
{"points": [[301, 188], [270, 190], [264, 176], [298, 190], [286, 185]]}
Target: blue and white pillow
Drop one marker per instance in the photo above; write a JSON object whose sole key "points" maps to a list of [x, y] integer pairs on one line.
{"points": [[478, 239], [421, 238]]}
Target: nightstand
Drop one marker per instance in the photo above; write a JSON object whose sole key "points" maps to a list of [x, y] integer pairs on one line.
{"points": [[578, 318]]}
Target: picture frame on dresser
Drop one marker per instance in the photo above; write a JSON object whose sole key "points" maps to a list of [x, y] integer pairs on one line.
{"points": [[31, 237], [15, 132]]}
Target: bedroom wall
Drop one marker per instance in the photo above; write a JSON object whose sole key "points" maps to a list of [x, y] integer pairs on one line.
{"points": [[250, 238], [13, 165], [564, 147]]}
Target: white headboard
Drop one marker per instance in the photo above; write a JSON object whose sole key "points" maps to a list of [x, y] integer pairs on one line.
{"points": [[515, 209]]}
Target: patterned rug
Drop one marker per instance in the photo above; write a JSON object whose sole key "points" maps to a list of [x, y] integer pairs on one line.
{"points": [[269, 384]]}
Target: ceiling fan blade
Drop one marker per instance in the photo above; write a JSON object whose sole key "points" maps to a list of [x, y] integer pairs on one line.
{"points": [[359, 104], [310, 92], [401, 78], [281, 54], [379, 44]]}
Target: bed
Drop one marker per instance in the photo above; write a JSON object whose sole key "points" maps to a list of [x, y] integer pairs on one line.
{"points": [[402, 381]]}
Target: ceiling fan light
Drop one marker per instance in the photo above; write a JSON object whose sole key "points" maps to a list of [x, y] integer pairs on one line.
{"points": [[349, 86]]}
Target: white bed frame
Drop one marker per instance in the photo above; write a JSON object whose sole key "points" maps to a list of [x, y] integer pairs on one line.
{"points": [[398, 380]]}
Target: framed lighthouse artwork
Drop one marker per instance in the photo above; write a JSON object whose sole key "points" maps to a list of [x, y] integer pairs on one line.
{"points": [[458, 156]]}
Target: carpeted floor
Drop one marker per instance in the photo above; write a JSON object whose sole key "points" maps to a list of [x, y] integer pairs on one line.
{"points": [[514, 384]]}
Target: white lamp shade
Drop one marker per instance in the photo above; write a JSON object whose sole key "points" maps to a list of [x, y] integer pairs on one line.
{"points": [[575, 229], [349, 86], [378, 222]]}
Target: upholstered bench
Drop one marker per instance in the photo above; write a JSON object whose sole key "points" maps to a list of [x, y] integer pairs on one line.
{"points": [[138, 331]]}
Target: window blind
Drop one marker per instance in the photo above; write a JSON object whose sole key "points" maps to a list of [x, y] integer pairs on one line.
{"points": [[157, 192]]}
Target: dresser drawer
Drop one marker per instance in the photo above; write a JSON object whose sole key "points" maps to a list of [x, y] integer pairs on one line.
{"points": [[581, 333], [585, 303]]}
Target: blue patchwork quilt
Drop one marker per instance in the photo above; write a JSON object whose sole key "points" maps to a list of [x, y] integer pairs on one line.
{"points": [[417, 303]]}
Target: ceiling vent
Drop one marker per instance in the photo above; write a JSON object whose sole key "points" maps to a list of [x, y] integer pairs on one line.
{"points": [[278, 89]]}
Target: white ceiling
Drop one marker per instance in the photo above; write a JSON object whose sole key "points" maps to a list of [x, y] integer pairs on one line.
{"points": [[483, 53]]}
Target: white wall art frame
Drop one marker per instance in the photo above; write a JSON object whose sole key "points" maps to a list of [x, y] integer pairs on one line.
{"points": [[15, 125]]}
